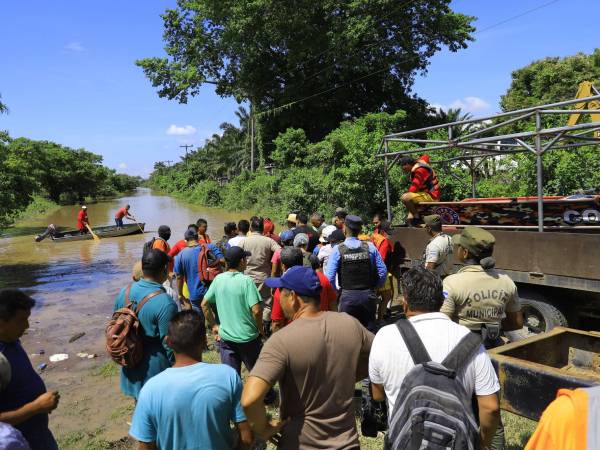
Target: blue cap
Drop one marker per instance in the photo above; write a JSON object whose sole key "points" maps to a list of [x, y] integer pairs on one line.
{"points": [[286, 236], [302, 280]]}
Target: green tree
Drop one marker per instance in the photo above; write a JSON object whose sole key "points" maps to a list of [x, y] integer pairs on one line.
{"points": [[3, 107], [273, 53]]}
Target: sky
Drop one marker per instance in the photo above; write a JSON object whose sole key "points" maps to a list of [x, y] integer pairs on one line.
{"points": [[67, 71]]}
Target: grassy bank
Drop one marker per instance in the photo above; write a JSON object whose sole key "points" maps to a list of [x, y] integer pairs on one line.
{"points": [[38, 207]]}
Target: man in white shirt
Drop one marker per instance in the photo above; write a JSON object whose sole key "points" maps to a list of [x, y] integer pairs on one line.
{"points": [[243, 228], [390, 360], [438, 253]]}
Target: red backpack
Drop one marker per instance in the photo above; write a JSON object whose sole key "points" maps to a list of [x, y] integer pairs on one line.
{"points": [[208, 265], [123, 332]]}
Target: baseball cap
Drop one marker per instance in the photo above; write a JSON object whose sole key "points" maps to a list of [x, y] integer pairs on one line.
{"points": [[432, 220], [190, 233], [83, 207], [300, 240], [287, 236], [337, 236], [235, 254], [326, 233], [291, 218], [477, 240], [354, 222], [302, 280]]}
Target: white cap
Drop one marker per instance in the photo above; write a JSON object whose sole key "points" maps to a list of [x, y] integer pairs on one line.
{"points": [[84, 207], [326, 233]]}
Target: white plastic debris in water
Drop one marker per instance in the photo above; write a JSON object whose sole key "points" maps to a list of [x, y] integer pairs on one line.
{"points": [[59, 357], [82, 355]]}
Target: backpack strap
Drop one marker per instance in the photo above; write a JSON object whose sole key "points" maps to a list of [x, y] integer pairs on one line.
{"points": [[463, 352], [146, 298], [127, 302], [413, 342]]}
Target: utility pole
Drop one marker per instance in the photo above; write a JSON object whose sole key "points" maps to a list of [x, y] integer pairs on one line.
{"points": [[251, 138]]}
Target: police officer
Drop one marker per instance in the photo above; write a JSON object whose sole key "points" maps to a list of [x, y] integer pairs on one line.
{"points": [[479, 297], [360, 269]]}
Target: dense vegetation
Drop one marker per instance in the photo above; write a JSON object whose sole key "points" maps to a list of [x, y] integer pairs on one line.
{"points": [[51, 170], [341, 170], [362, 56]]}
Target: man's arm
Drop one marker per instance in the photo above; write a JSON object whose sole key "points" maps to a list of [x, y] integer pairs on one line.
{"points": [[378, 392], [513, 321], [257, 313], [489, 417], [245, 433], [44, 404], [147, 446], [254, 407]]}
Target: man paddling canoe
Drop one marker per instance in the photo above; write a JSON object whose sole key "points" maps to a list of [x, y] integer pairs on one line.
{"points": [[123, 212], [83, 220]]}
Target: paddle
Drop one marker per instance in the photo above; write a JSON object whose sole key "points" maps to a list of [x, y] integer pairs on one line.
{"points": [[139, 226], [96, 238]]}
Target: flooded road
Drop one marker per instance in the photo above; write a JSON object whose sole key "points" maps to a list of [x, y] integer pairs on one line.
{"points": [[75, 284]]}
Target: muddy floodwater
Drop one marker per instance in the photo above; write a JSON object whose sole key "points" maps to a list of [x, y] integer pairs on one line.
{"points": [[74, 284]]}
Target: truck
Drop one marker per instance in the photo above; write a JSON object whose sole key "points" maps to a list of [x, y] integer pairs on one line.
{"points": [[549, 246]]}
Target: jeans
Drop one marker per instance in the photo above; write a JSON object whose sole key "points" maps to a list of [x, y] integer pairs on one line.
{"points": [[360, 304], [119, 222]]}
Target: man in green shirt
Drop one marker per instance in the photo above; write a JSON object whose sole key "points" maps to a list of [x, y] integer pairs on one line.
{"points": [[239, 309]]}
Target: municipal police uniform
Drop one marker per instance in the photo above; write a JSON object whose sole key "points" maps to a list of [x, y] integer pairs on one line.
{"points": [[360, 269], [479, 298]]}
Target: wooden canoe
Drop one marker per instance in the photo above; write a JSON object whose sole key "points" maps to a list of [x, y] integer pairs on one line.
{"points": [[101, 232]]}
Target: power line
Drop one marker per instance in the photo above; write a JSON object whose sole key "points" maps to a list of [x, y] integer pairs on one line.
{"points": [[326, 91]]}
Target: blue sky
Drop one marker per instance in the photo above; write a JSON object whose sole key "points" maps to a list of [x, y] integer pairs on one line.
{"points": [[67, 72]]}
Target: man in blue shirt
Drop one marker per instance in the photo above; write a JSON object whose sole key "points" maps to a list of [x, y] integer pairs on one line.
{"points": [[192, 404], [154, 319], [24, 402], [186, 267], [360, 271]]}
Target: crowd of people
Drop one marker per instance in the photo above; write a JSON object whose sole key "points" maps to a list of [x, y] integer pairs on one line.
{"points": [[307, 312]]}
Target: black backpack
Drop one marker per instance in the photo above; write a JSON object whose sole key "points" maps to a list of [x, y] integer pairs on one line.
{"points": [[433, 410], [148, 246]]}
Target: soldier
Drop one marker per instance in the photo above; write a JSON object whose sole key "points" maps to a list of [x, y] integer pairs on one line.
{"points": [[477, 296], [480, 298], [438, 253]]}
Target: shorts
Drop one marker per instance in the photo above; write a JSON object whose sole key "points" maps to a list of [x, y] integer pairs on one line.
{"points": [[387, 287], [419, 197]]}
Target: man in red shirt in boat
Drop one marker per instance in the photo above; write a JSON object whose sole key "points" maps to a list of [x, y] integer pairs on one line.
{"points": [[424, 186], [123, 212], [82, 220]]}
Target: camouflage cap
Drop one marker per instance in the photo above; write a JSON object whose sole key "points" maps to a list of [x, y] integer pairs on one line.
{"points": [[477, 240], [433, 220]]}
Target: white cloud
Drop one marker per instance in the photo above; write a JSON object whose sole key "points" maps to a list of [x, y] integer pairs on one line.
{"points": [[470, 104], [74, 47], [185, 130], [122, 166]]}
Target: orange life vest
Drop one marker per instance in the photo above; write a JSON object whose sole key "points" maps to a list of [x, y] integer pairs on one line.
{"points": [[432, 184]]}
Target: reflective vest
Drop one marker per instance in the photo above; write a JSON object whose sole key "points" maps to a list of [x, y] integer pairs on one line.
{"points": [[432, 184], [357, 272]]}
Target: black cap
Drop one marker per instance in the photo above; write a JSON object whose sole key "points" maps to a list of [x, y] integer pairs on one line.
{"points": [[235, 254], [337, 236], [354, 222], [340, 212]]}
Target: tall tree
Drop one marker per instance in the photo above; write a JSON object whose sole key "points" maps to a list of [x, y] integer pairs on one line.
{"points": [[3, 107], [364, 53]]}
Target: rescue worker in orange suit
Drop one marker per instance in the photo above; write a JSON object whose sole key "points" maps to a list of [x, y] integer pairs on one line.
{"points": [[82, 220], [424, 186]]}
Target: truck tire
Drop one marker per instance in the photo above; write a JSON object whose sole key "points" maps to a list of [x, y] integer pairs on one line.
{"points": [[539, 317]]}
